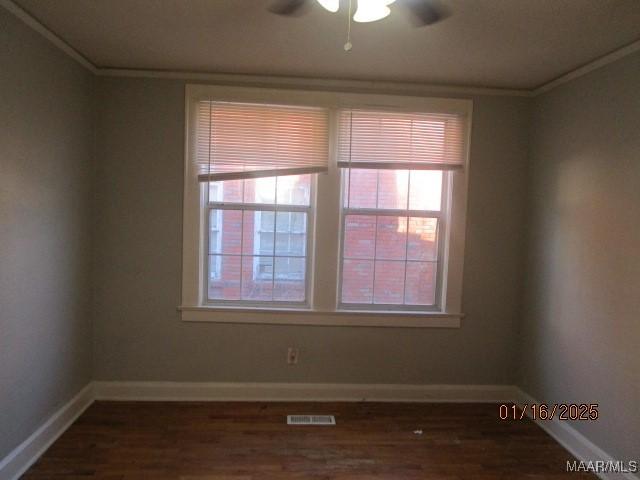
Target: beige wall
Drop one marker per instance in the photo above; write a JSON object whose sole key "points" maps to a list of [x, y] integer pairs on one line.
{"points": [[45, 156], [137, 254], [581, 335]]}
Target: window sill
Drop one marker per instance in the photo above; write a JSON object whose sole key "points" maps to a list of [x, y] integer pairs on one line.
{"points": [[346, 318]]}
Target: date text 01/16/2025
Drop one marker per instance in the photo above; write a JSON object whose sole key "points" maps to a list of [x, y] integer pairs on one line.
{"points": [[543, 411]]}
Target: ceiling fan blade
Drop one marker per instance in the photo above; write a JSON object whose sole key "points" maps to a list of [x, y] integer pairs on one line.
{"points": [[288, 7], [426, 12]]}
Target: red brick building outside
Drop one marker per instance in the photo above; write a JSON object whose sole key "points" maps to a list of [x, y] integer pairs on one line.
{"points": [[387, 259]]}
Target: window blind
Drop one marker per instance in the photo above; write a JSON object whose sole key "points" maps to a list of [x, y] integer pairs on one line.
{"points": [[401, 140], [242, 140]]}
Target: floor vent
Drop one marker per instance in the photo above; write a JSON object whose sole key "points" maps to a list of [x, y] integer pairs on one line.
{"points": [[311, 420]]}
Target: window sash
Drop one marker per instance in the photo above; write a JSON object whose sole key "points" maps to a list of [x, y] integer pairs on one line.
{"points": [[262, 207], [441, 216]]}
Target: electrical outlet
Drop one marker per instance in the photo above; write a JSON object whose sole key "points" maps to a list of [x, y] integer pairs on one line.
{"points": [[292, 356]]}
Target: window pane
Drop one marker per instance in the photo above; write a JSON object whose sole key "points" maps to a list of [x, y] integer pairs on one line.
{"points": [[215, 231], [215, 191], [289, 279], [230, 230], [393, 186], [263, 239], [229, 191], [214, 220], [257, 235], [260, 190], [214, 267], [294, 190], [283, 222], [248, 232], [290, 244], [288, 268], [262, 268], [290, 236], [357, 281], [425, 191], [298, 222], [224, 277], [423, 239], [421, 283], [362, 193], [391, 238], [389, 282], [214, 242], [264, 243], [359, 236], [257, 278], [297, 244], [266, 221]]}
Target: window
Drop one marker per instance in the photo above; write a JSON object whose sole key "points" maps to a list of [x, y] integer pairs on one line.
{"points": [[317, 201], [391, 253], [262, 257], [395, 176]]}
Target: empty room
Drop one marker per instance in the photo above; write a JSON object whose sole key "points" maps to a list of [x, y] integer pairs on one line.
{"points": [[319, 239]]}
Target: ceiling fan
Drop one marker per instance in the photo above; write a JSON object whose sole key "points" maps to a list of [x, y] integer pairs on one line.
{"points": [[423, 12]]}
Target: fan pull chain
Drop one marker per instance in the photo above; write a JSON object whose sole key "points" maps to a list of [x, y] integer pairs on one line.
{"points": [[348, 46]]}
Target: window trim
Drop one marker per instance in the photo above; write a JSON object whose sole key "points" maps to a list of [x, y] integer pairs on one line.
{"points": [[332, 318], [325, 237]]}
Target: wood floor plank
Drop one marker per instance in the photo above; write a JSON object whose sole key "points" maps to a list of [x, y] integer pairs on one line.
{"points": [[251, 441]]}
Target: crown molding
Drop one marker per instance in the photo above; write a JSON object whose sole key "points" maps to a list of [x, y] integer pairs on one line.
{"points": [[359, 86], [588, 67], [400, 88], [32, 22]]}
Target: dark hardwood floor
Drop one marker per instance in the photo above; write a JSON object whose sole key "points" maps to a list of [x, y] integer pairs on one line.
{"points": [[251, 441]]}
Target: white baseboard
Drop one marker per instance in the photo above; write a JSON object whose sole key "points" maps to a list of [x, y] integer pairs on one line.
{"points": [[180, 391], [577, 444], [25, 454]]}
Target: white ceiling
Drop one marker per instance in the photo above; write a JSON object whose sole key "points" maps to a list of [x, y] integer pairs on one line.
{"points": [[489, 43]]}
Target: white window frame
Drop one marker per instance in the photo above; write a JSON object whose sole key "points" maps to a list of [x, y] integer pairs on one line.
{"points": [[324, 234], [221, 206], [442, 215]]}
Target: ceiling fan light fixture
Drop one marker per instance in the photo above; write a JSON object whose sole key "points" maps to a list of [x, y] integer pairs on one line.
{"points": [[372, 10], [330, 5]]}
